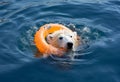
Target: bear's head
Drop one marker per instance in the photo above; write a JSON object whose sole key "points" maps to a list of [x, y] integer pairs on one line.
{"points": [[67, 40]]}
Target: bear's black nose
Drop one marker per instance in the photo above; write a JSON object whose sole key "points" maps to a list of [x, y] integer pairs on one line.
{"points": [[69, 45]]}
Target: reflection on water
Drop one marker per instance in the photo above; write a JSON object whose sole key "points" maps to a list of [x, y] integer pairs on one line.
{"points": [[97, 22]]}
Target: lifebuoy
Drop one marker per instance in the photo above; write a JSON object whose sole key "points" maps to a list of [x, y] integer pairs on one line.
{"points": [[41, 43]]}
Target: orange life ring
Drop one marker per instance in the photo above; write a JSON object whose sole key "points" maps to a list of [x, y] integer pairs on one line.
{"points": [[41, 43]]}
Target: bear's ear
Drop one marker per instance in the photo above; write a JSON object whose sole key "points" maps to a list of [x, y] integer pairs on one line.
{"points": [[75, 33], [50, 36]]}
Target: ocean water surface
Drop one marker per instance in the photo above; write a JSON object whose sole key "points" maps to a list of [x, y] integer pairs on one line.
{"points": [[99, 61]]}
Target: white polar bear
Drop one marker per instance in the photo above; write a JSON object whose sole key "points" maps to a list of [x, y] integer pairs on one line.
{"points": [[64, 39]]}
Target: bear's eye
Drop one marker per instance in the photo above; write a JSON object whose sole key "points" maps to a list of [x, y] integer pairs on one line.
{"points": [[71, 36], [60, 38]]}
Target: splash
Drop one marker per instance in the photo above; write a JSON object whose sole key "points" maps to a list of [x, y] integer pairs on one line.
{"points": [[88, 36]]}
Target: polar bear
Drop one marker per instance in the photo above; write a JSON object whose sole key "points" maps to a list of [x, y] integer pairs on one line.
{"points": [[67, 40]]}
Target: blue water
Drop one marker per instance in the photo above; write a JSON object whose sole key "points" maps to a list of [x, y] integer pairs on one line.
{"points": [[19, 20]]}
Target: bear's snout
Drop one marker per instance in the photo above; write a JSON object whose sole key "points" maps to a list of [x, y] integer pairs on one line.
{"points": [[69, 45]]}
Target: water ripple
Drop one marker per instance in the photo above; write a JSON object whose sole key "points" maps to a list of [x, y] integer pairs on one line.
{"points": [[19, 20]]}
